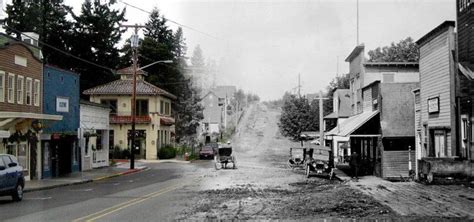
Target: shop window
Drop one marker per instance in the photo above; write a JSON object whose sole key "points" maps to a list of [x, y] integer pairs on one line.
{"points": [[98, 141]]}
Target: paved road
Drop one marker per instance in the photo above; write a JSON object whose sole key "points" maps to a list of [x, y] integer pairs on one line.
{"points": [[153, 189]]}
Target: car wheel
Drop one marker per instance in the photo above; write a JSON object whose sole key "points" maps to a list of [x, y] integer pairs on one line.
{"points": [[18, 193], [308, 170]]}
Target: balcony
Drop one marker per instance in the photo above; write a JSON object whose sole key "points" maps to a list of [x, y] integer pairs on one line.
{"points": [[128, 119]]}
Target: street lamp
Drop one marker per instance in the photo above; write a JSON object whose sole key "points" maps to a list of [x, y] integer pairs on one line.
{"points": [[134, 95]]}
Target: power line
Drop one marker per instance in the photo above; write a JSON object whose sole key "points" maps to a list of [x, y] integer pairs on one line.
{"points": [[62, 51], [172, 21]]}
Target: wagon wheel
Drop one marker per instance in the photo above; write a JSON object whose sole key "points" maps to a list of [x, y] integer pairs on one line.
{"points": [[307, 171]]}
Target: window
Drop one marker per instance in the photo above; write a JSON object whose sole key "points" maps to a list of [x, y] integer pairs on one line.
{"points": [[162, 107], [11, 88], [167, 108], [388, 77], [141, 107], [112, 104], [440, 143], [20, 60], [464, 129], [29, 90], [19, 89], [98, 141], [2, 86], [36, 93]]}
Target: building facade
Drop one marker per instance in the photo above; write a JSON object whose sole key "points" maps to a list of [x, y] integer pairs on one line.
{"points": [[154, 121], [59, 141], [21, 104], [94, 135], [445, 105], [341, 112], [379, 126]]}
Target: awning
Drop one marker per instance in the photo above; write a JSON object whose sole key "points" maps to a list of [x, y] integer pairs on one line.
{"points": [[166, 121], [8, 119], [332, 115], [466, 70], [352, 124]]}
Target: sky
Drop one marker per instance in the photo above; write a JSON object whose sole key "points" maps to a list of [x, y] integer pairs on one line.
{"points": [[262, 46]]}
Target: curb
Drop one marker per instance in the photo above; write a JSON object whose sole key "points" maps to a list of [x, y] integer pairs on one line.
{"points": [[85, 181], [56, 186]]}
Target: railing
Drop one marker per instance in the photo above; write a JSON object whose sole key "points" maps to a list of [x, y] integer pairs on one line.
{"points": [[128, 119]]}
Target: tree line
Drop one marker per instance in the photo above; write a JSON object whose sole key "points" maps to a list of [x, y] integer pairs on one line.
{"points": [[87, 43]]}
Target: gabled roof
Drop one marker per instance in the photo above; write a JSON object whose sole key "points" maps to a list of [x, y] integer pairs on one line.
{"points": [[124, 87]]}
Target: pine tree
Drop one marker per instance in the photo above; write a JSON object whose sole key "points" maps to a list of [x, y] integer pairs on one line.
{"points": [[46, 18], [96, 32]]}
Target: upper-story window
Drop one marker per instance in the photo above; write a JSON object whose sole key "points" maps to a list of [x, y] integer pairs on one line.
{"points": [[167, 108], [20, 60], [19, 89], [142, 107], [29, 91], [162, 107], [112, 104], [388, 77], [11, 88], [36, 92], [2, 86]]}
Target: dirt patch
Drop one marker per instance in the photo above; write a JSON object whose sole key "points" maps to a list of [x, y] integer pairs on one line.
{"points": [[316, 198]]}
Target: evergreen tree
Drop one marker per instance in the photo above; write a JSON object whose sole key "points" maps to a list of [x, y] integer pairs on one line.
{"points": [[47, 18], [96, 32]]}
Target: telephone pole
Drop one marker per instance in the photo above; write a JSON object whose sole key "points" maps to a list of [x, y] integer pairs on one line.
{"points": [[134, 45], [299, 85]]}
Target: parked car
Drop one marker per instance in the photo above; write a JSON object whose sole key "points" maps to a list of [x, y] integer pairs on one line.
{"points": [[206, 152], [12, 180]]}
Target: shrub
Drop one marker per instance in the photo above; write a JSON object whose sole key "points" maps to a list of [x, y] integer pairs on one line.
{"points": [[167, 152], [125, 154]]}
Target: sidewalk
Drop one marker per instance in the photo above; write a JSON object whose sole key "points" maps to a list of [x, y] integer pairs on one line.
{"points": [[122, 168], [415, 199]]}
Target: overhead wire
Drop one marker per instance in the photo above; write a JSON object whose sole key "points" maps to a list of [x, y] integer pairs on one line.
{"points": [[170, 20]]}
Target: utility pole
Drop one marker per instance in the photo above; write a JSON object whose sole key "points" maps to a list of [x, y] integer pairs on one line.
{"points": [[299, 85], [134, 45], [357, 22]]}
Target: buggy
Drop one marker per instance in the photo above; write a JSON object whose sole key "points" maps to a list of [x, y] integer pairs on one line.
{"points": [[223, 157]]}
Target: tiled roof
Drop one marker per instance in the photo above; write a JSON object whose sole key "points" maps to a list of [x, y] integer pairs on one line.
{"points": [[124, 87], [129, 71], [166, 121]]}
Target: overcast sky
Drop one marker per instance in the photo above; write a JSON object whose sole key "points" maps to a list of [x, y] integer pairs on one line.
{"points": [[262, 45]]}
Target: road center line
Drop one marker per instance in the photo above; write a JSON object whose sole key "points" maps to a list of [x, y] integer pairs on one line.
{"points": [[115, 208]]}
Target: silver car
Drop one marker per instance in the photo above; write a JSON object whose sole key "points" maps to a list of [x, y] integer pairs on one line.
{"points": [[12, 180]]}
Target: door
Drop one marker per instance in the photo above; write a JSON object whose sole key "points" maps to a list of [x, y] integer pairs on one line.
{"points": [[440, 143]]}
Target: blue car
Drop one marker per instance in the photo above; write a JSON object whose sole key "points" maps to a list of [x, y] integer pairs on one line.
{"points": [[12, 180]]}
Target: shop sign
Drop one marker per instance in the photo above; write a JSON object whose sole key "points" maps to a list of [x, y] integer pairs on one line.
{"points": [[433, 105]]}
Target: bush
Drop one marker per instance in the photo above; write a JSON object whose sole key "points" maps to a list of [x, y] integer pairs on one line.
{"points": [[167, 152], [125, 154]]}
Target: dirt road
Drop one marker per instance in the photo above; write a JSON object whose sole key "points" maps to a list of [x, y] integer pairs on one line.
{"points": [[264, 188]]}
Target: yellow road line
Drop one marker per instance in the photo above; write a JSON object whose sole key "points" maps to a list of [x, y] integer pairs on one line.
{"points": [[115, 208], [123, 205]]}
